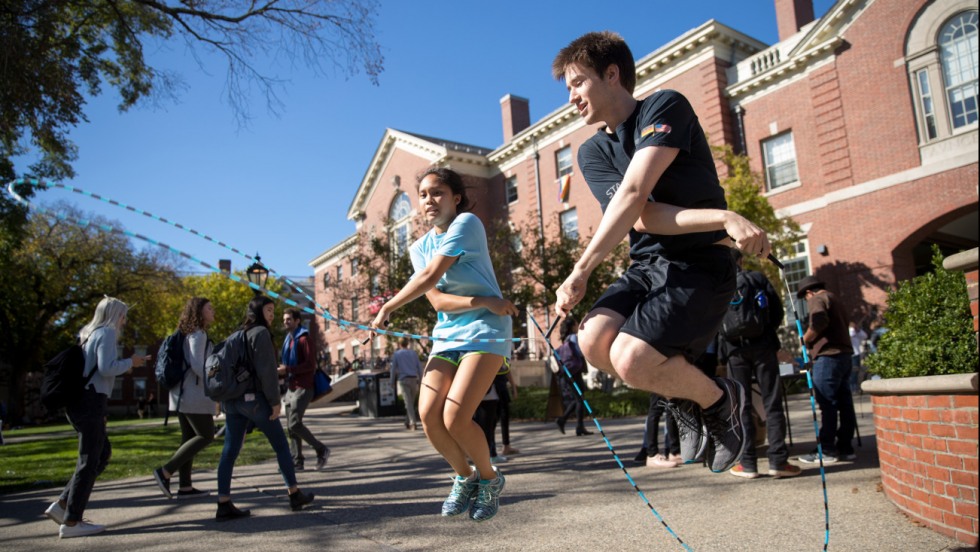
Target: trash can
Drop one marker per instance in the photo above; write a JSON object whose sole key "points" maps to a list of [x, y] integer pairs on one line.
{"points": [[377, 394]]}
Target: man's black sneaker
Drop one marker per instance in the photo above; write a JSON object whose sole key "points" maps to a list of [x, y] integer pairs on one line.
{"points": [[227, 511], [725, 428], [690, 429], [299, 499]]}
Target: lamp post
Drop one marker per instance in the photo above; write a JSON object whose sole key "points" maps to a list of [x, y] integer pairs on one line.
{"points": [[257, 274]]}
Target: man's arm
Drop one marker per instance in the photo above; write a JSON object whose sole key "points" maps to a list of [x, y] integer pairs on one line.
{"points": [[623, 211], [670, 220]]}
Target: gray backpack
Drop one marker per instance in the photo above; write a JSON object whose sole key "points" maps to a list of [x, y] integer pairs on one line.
{"points": [[228, 372]]}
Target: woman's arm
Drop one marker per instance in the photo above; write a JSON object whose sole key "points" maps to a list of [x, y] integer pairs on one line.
{"points": [[415, 288], [105, 353], [197, 343], [449, 303]]}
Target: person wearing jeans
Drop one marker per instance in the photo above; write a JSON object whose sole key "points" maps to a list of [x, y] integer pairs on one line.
{"points": [[259, 406], [832, 386], [830, 346]]}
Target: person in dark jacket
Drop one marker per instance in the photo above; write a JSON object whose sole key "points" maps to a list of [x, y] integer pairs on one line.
{"points": [[259, 406], [755, 357], [298, 366]]}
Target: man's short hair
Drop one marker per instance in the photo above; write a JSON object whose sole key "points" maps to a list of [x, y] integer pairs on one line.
{"points": [[403, 342], [597, 51], [294, 313]]}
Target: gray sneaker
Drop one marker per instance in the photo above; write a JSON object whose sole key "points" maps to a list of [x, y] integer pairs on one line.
{"points": [[690, 429], [725, 429], [488, 497], [461, 496]]}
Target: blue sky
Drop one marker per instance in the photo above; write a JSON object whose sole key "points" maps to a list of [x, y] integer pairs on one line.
{"points": [[283, 185]]}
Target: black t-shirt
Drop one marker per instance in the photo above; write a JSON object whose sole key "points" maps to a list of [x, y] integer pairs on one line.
{"points": [[667, 119]]}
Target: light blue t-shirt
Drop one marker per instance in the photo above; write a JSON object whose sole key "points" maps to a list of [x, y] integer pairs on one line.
{"points": [[470, 276]]}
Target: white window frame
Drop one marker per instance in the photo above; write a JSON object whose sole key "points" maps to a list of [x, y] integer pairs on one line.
{"points": [[924, 64], [797, 266], [564, 164], [400, 215], [784, 166], [566, 219], [511, 192], [958, 59]]}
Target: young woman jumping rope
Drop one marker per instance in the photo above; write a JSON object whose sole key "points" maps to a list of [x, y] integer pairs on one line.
{"points": [[454, 272]]}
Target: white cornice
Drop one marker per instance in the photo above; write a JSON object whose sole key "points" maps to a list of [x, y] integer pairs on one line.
{"points": [[339, 250], [437, 154], [652, 70], [797, 54], [895, 179]]}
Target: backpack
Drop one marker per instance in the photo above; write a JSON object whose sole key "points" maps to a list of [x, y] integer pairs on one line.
{"points": [[571, 357], [228, 369], [63, 382], [748, 313], [171, 365]]}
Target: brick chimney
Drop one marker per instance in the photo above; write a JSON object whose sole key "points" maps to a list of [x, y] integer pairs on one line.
{"points": [[224, 265], [791, 15], [516, 114]]}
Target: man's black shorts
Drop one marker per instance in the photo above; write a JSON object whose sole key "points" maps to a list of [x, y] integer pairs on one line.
{"points": [[676, 305]]}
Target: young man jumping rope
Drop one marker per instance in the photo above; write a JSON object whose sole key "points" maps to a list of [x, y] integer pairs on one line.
{"points": [[651, 169]]}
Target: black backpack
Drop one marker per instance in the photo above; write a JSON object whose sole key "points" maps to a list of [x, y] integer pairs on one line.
{"points": [[228, 369], [171, 366], [748, 313], [63, 381]]}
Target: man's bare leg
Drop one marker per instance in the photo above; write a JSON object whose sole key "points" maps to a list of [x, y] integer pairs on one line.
{"points": [[596, 335], [643, 367]]}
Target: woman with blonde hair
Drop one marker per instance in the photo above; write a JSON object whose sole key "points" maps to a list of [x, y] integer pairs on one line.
{"points": [[87, 415]]}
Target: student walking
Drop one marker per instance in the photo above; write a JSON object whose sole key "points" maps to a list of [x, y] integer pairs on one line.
{"points": [[298, 367], [195, 411], [259, 406], [87, 416], [406, 369], [453, 270]]}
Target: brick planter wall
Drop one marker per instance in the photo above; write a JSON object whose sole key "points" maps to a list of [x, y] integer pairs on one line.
{"points": [[927, 448]]}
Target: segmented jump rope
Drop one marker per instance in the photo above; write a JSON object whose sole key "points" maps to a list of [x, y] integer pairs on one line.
{"points": [[619, 462], [348, 324]]}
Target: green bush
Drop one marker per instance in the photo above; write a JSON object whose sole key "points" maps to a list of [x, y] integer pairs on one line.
{"points": [[930, 327], [532, 402]]}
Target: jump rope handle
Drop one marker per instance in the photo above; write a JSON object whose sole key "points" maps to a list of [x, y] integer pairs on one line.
{"points": [[368, 338], [772, 258]]}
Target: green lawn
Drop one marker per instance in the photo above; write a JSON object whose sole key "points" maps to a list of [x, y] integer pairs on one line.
{"points": [[135, 452]]}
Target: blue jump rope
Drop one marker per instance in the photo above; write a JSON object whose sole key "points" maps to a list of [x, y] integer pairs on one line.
{"points": [[354, 325]]}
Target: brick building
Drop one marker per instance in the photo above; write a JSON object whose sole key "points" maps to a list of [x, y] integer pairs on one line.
{"points": [[863, 123]]}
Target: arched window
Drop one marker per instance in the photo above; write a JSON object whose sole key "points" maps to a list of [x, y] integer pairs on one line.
{"points": [[958, 47], [941, 58], [400, 215]]}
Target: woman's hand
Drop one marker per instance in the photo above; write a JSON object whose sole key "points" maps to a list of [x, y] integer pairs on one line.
{"points": [[499, 306], [275, 411], [748, 237], [381, 320]]}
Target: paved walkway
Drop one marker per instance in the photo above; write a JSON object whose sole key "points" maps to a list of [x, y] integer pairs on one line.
{"points": [[384, 485]]}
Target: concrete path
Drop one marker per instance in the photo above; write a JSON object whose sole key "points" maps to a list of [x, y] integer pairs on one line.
{"points": [[384, 485]]}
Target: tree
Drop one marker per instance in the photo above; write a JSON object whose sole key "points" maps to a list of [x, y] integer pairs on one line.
{"points": [[56, 53], [229, 299], [53, 278], [535, 265], [383, 267], [743, 192]]}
